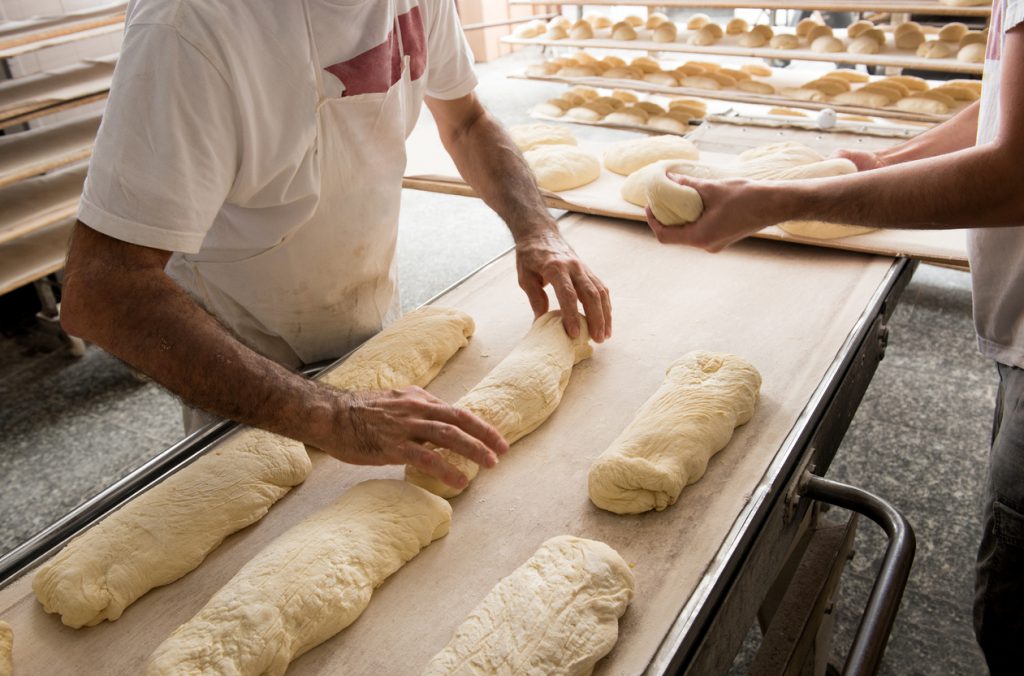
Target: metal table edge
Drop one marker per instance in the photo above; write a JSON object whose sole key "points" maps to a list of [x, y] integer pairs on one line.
{"points": [[683, 638]]}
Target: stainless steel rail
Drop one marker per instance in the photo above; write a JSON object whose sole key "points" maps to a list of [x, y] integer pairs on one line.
{"points": [[868, 645]]}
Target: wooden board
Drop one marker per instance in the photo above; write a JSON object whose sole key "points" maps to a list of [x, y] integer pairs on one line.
{"points": [[896, 6], [54, 41], [30, 96], [433, 170], [30, 153], [37, 203], [739, 96], [34, 256], [728, 46], [17, 33], [785, 309]]}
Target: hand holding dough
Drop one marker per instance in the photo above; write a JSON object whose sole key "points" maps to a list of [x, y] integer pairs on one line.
{"points": [[307, 585], [667, 446], [520, 393], [557, 614]]}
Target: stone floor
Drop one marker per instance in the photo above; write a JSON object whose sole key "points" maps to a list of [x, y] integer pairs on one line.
{"points": [[69, 427]]}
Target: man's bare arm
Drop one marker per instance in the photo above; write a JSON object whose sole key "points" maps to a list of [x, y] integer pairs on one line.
{"points": [[978, 186], [954, 134], [490, 162], [118, 296]]}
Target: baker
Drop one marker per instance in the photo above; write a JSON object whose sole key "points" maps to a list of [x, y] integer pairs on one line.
{"points": [[965, 173], [240, 213]]}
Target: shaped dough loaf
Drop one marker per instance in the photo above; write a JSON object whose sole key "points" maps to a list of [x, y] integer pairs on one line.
{"points": [[563, 167], [307, 585], [6, 649], [668, 444], [520, 393], [557, 614], [168, 530], [625, 157], [409, 351], [675, 204]]}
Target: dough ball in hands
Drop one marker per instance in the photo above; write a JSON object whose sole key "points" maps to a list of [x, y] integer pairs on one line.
{"points": [[557, 614], [667, 446], [529, 136], [625, 157]]}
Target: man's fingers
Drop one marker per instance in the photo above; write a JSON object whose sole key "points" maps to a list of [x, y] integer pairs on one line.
{"points": [[590, 296], [534, 288], [472, 425], [455, 440], [606, 305], [568, 301], [432, 463]]}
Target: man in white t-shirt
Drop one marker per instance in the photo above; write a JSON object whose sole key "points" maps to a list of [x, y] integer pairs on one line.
{"points": [[241, 208], [966, 173]]}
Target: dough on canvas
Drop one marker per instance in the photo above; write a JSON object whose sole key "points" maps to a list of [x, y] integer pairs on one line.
{"points": [[6, 649], [625, 157], [520, 393], [168, 530], [307, 585], [557, 614], [562, 167], [822, 230], [704, 397], [527, 136]]}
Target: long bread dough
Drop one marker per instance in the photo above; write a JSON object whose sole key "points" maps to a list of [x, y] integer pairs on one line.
{"points": [[520, 393], [168, 530], [6, 649], [557, 614], [675, 204], [667, 446], [307, 585], [409, 351]]}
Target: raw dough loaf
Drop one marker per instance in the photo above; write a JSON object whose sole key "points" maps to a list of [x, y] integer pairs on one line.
{"points": [[307, 585], [668, 444], [409, 351], [168, 530], [675, 204], [563, 167], [822, 230], [920, 104], [557, 614], [7, 649], [626, 157], [520, 393], [528, 136]]}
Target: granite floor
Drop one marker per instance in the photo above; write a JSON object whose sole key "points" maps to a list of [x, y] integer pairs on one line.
{"points": [[68, 427]]}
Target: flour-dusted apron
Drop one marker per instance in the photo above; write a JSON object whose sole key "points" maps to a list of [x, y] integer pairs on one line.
{"points": [[341, 262]]}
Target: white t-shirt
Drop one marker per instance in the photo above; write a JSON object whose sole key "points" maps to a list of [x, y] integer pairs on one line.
{"points": [[997, 254], [208, 142]]}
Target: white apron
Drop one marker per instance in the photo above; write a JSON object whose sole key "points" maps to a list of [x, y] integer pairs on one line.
{"points": [[353, 232]]}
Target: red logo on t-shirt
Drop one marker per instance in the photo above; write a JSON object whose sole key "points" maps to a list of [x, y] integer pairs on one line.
{"points": [[380, 67]]}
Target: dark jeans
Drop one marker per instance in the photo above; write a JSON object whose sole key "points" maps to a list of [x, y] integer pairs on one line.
{"points": [[999, 585]]}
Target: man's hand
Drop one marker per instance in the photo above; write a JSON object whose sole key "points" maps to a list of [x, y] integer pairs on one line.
{"points": [[733, 208], [546, 258], [387, 428]]}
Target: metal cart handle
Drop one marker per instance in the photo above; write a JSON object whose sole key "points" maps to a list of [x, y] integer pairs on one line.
{"points": [[873, 632]]}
